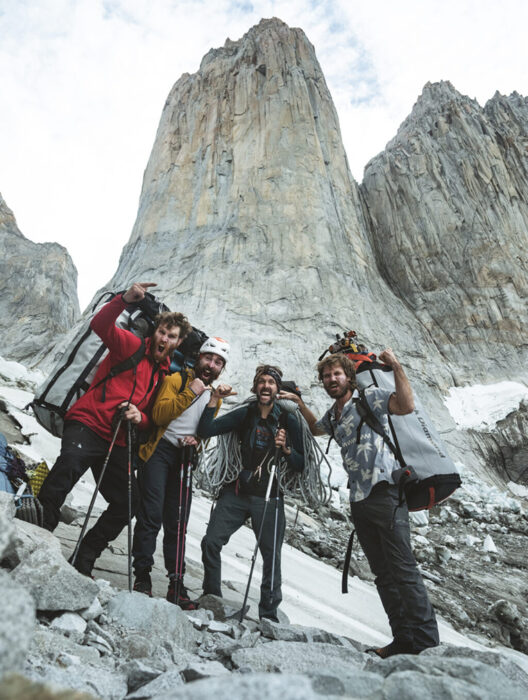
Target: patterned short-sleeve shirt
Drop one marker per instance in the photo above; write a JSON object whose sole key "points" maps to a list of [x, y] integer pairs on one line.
{"points": [[369, 461]]}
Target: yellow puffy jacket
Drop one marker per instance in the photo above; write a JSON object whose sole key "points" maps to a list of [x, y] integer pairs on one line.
{"points": [[170, 403]]}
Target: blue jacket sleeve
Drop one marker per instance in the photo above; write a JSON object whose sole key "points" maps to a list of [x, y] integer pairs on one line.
{"points": [[296, 458], [210, 426]]}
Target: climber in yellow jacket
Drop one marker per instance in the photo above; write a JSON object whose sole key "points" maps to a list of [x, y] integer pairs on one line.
{"points": [[164, 476]]}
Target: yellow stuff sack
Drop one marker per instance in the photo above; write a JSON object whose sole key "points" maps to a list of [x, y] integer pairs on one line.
{"points": [[37, 476]]}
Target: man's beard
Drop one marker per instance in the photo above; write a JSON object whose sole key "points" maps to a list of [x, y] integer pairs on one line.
{"points": [[265, 400], [341, 391], [207, 374]]}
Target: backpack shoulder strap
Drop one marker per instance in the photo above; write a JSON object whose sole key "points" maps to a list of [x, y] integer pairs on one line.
{"points": [[184, 379], [126, 364], [367, 416]]}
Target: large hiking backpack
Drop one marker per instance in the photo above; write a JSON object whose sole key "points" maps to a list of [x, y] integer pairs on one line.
{"points": [[73, 373], [187, 353], [428, 474]]}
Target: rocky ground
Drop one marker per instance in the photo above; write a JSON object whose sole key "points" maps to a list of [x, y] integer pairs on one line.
{"points": [[65, 636], [472, 554]]}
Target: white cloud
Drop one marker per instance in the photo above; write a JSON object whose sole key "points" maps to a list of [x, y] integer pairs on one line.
{"points": [[84, 82]]}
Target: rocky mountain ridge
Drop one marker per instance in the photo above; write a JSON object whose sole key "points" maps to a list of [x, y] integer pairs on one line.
{"points": [[448, 201], [38, 292]]}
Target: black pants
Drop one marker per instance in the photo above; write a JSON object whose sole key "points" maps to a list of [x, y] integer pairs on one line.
{"points": [[384, 535], [229, 515], [166, 493], [82, 449]]}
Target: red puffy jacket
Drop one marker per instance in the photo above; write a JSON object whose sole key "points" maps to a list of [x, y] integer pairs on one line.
{"points": [[90, 409]]}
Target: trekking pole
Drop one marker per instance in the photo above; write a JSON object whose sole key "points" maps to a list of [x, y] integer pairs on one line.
{"points": [[274, 549], [129, 445], [254, 557], [177, 563], [94, 496], [282, 425], [179, 579]]}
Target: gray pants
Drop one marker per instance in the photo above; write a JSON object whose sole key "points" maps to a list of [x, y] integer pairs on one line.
{"points": [[229, 515], [384, 535]]}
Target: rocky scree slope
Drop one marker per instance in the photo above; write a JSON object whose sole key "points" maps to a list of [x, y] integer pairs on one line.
{"points": [[61, 630]]}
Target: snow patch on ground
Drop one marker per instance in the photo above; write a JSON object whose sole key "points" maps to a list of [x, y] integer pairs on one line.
{"points": [[480, 406], [15, 372]]}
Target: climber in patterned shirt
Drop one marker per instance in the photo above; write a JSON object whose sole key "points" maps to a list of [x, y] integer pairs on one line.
{"points": [[381, 525]]}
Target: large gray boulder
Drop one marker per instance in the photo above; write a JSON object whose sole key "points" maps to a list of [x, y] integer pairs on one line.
{"points": [[257, 686], [297, 657], [414, 678], [7, 527], [26, 539], [17, 623], [53, 583], [154, 617], [102, 683]]}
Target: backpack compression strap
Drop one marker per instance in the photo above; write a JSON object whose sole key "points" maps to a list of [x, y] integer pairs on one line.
{"points": [[129, 363], [368, 417]]}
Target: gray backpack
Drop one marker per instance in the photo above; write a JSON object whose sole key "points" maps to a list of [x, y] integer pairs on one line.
{"points": [[73, 373]]}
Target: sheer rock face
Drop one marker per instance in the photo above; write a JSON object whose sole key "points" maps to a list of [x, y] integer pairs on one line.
{"points": [[505, 448], [38, 292], [249, 219], [448, 201]]}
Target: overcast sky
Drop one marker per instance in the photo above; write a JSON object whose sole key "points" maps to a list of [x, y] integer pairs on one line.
{"points": [[83, 84]]}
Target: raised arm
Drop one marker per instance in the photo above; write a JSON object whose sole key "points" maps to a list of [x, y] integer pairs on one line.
{"points": [[171, 402], [402, 401], [120, 342]]}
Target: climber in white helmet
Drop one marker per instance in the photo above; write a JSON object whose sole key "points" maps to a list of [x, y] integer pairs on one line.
{"points": [[165, 475]]}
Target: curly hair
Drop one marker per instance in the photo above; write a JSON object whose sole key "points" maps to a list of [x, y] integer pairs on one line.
{"points": [[343, 361], [174, 318]]}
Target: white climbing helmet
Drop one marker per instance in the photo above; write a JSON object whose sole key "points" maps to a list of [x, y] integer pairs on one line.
{"points": [[218, 346]]}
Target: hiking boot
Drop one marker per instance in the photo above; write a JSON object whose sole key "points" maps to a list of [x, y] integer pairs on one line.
{"points": [[84, 564], [143, 584], [184, 602], [392, 649]]}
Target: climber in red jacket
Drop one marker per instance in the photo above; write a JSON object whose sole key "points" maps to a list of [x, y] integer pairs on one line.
{"points": [[88, 425]]}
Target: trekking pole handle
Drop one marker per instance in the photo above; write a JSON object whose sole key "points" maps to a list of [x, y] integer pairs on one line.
{"points": [[270, 481]]}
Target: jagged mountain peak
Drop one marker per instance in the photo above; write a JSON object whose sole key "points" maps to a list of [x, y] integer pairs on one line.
{"points": [[249, 216], [38, 292], [268, 37], [8, 222], [439, 104]]}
